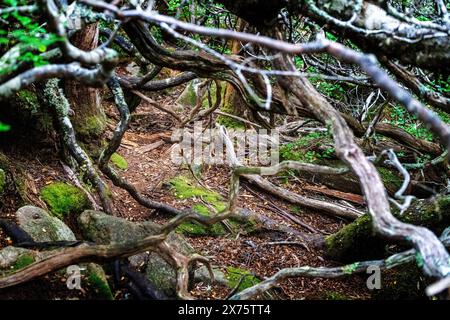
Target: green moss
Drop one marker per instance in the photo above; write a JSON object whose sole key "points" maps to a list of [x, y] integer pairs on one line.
{"points": [[390, 179], [119, 161], [100, 286], [197, 229], [19, 180], [31, 112], [354, 242], [183, 188], [90, 126], [234, 276], [433, 214], [64, 199], [23, 261]]}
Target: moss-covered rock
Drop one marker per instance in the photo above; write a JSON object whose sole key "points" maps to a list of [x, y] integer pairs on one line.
{"points": [[41, 226], [196, 229], [357, 241], [119, 161], [354, 242], [317, 148], [23, 261], [64, 199], [13, 258], [97, 282], [104, 229]]}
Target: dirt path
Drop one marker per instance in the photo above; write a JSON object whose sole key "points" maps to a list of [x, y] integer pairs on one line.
{"points": [[150, 171]]}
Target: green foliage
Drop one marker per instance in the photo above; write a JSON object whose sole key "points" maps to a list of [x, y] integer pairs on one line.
{"points": [[4, 127], [299, 63], [440, 83], [330, 36], [444, 116], [119, 161], [402, 118], [64, 199], [334, 90], [26, 33], [157, 33], [296, 150], [172, 5]]}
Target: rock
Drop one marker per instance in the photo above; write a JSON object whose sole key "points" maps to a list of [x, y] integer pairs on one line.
{"points": [[104, 229], [10, 256], [97, 282], [202, 275], [41, 226]]}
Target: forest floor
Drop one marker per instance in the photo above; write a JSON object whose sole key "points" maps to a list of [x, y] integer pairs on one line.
{"points": [[150, 171]]}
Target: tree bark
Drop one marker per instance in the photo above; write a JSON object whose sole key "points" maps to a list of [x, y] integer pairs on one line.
{"points": [[88, 117]]}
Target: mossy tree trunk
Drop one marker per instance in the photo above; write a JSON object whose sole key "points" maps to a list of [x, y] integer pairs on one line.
{"points": [[89, 117], [232, 102]]}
